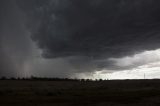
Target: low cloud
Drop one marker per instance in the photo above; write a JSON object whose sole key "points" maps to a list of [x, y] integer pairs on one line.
{"points": [[144, 58], [85, 35]]}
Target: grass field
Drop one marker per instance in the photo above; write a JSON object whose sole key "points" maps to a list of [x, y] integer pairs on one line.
{"points": [[76, 93]]}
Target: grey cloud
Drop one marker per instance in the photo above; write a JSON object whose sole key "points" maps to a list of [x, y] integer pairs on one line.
{"points": [[88, 32], [15, 42], [83, 34]]}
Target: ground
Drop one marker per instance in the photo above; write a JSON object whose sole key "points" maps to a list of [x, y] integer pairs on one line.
{"points": [[76, 93]]}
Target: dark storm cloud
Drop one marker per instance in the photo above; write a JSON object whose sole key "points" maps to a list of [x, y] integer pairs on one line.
{"points": [[15, 46], [75, 35], [4, 64], [88, 32]]}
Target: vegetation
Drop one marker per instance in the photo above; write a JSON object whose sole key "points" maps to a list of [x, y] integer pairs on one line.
{"points": [[70, 92], [33, 78]]}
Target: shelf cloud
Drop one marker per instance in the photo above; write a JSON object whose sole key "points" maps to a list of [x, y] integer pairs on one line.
{"points": [[88, 34]]}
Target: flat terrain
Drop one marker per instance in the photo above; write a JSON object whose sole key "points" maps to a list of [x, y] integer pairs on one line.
{"points": [[76, 93]]}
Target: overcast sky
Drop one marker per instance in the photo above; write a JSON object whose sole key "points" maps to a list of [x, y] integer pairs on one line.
{"points": [[80, 38]]}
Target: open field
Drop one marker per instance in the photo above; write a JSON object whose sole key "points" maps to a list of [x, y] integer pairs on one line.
{"points": [[76, 93]]}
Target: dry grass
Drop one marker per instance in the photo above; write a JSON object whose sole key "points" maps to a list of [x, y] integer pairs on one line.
{"points": [[71, 93]]}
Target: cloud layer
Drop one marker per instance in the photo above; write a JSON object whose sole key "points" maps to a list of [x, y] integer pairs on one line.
{"points": [[96, 28], [84, 35], [89, 32]]}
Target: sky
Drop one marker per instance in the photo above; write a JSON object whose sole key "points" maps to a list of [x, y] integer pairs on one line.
{"points": [[108, 39]]}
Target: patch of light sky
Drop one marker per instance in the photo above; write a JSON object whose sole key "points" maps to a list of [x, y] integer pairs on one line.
{"points": [[145, 63]]}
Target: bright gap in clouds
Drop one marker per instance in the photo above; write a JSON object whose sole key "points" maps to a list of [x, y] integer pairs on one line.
{"points": [[132, 67]]}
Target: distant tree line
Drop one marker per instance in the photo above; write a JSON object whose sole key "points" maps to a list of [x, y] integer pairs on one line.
{"points": [[34, 78]]}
